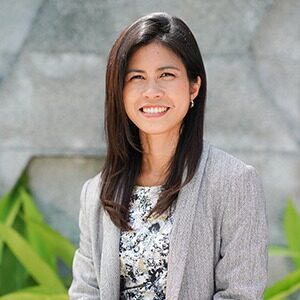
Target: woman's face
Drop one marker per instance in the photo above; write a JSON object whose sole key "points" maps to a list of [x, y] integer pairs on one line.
{"points": [[157, 92]]}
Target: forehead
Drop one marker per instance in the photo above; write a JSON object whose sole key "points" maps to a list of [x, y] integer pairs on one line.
{"points": [[154, 54]]}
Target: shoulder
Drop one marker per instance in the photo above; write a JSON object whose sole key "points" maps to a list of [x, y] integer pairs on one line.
{"points": [[222, 166], [230, 182], [90, 194], [219, 158]]}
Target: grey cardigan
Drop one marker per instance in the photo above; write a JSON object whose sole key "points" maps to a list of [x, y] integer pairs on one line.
{"points": [[218, 243]]}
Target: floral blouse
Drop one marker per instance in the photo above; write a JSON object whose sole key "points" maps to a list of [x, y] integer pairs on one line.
{"points": [[144, 250]]}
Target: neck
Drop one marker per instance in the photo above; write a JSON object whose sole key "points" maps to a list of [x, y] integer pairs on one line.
{"points": [[158, 151]]}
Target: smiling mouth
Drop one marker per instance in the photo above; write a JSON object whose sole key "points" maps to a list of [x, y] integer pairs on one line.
{"points": [[154, 110]]}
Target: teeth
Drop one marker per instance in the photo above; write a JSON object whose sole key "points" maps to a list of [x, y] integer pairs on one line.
{"points": [[154, 110]]}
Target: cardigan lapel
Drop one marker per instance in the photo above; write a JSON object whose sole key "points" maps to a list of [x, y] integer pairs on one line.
{"points": [[179, 241], [110, 265], [182, 228]]}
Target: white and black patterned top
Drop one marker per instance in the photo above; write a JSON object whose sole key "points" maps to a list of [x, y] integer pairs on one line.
{"points": [[144, 250]]}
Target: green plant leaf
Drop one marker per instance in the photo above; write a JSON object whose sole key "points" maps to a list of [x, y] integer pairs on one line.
{"points": [[30, 209], [13, 276], [36, 292], [5, 202], [27, 262], [31, 261], [29, 296], [9, 220], [285, 287], [8, 199], [292, 230], [36, 241], [39, 289], [12, 213], [59, 245], [282, 251]]}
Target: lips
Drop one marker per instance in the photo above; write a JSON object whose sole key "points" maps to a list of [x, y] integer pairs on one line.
{"points": [[154, 111]]}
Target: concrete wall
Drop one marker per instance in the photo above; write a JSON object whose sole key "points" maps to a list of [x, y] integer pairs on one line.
{"points": [[52, 63]]}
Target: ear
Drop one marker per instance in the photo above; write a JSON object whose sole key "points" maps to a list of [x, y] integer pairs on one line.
{"points": [[194, 88]]}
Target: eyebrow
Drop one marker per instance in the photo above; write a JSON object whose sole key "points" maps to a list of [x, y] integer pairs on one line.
{"points": [[159, 69]]}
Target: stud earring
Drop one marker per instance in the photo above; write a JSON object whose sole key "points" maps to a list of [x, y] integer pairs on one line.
{"points": [[192, 104]]}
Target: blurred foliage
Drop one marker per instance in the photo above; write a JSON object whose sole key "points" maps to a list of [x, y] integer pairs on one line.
{"points": [[290, 284], [30, 250]]}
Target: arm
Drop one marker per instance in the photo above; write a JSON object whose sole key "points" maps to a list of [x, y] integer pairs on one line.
{"points": [[84, 285], [241, 272]]}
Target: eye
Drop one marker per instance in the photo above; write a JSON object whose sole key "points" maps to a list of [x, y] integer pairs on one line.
{"points": [[167, 74], [135, 77]]}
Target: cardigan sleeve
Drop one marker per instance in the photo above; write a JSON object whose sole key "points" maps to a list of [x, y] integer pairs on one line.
{"points": [[241, 272], [84, 284]]}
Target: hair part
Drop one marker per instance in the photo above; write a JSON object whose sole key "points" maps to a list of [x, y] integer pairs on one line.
{"points": [[124, 151]]}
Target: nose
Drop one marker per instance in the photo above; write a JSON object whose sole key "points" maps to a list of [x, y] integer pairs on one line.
{"points": [[152, 90]]}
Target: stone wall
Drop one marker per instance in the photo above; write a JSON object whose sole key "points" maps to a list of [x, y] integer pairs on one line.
{"points": [[52, 63]]}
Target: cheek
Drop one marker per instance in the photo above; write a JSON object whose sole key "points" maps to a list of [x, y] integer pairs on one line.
{"points": [[126, 98], [129, 106], [131, 99], [180, 88], [128, 95]]}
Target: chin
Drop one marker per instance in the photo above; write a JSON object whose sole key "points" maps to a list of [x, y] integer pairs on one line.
{"points": [[161, 131]]}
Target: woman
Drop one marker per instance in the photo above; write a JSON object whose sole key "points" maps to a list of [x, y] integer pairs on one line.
{"points": [[170, 216]]}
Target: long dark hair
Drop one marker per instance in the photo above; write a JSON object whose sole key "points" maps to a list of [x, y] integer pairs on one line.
{"points": [[124, 152]]}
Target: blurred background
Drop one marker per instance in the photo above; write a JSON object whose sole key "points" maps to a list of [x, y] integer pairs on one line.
{"points": [[52, 76]]}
